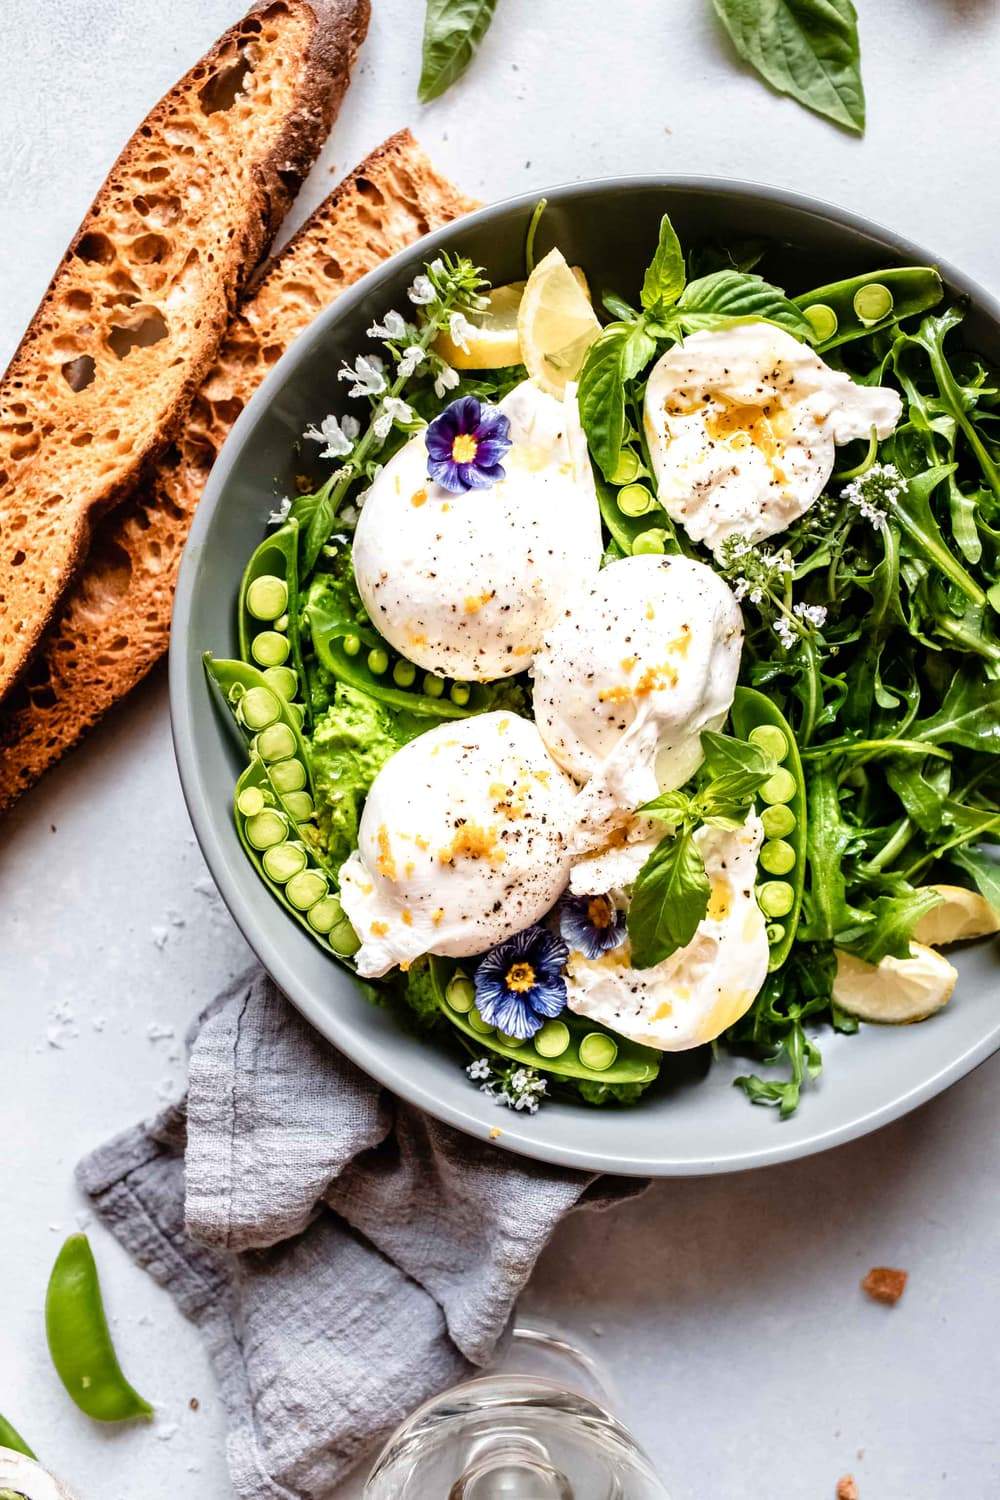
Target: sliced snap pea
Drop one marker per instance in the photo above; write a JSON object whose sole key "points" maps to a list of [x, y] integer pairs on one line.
{"points": [[598, 1051], [783, 814], [625, 529], [552, 1040], [846, 310], [282, 861], [356, 669], [80, 1341], [11, 1438], [651, 541], [284, 680], [270, 649], [631, 1063]]}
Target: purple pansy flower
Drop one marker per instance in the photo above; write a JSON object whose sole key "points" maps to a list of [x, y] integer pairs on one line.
{"points": [[520, 983], [465, 445], [591, 924]]}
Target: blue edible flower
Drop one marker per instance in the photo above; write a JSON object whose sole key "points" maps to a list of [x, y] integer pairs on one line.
{"points": [[591, 924], [520, 983], [465, 445]]}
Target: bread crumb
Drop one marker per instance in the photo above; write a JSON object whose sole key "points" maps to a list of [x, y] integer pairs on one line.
{"points": [[847, 1488], [495, 1133], [884, 1284]]}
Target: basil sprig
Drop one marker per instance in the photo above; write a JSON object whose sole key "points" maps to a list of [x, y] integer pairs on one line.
{"points": [[671, 892], [671, 307], [453, 30], [806, 48]]}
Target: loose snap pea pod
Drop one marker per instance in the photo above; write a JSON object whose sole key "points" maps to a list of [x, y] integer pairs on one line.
{"points": [[80, 1341], [846, 310], [369, 673], [569, 1047], [11, 1438], [782, 808]]}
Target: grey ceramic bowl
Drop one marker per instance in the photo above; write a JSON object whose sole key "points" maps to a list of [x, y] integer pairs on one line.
{"points": [[701, 1124]]}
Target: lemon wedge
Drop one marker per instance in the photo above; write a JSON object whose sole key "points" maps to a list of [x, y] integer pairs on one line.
{"points": [[493, 341], [959, 915], [895, 990], [556, 323]]}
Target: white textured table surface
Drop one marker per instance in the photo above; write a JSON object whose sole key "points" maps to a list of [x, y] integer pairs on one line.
{"points": [[727, 1310]]}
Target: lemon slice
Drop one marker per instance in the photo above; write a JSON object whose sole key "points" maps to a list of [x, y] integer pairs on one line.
{"points": [[895, 990], [959, 915], [556, 323], [493, 342]]}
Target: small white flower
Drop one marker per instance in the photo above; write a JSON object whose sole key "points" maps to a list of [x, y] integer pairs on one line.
{"points": [[410, 358], [280, 512], [392, 410], [461, 330], [785, 631], [445, 380], [479, 1069], [394, 327], [874, 491], [367, 372], [813, 615], [436, 266], [422, 291], [339, 436]]}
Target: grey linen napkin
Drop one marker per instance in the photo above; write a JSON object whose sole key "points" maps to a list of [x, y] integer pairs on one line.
{"points": [[344, 1255]]}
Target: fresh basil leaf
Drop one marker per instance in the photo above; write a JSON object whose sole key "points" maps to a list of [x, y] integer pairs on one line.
{"points": [[889, 934], [724, 297], [727, 794], [672, 807], [639, 350], [983, 867], [969, 715], [669, 899], [724, 754], [806, 48], [453, 30], [665, 277], [601, 394]]}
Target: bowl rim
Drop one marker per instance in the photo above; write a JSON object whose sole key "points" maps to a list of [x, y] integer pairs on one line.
{"points": [[406, 1083]]}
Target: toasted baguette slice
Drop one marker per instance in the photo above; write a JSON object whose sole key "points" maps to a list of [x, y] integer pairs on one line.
{"points": [[115, 621], [133, 316]]}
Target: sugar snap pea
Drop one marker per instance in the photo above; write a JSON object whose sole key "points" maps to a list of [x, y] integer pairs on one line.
{"points": [[268, 607], [560, 1048], [289, 865], [783, 813], [258, 708], [11, 1438], [80, 1340], [851, 309], [343, 656]]}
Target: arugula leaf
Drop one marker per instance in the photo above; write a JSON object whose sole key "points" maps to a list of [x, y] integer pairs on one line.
{"points": [[913, 511], [969, 715], [984, 869], [806, 48], [719, 299], [895, 917], [828, 838], [453, 30], [669, 899], [664, 280]]}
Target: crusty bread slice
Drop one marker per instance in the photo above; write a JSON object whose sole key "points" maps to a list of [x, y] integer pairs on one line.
{"points": [[115, 621], [134, 314]]}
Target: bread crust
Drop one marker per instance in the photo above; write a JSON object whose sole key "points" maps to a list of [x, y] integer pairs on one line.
{"points": [[106, 371], [114, 625]]}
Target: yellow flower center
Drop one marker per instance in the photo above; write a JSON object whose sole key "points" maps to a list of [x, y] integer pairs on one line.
{"points": [[600, 912], [520, 978], [463, 449]]}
